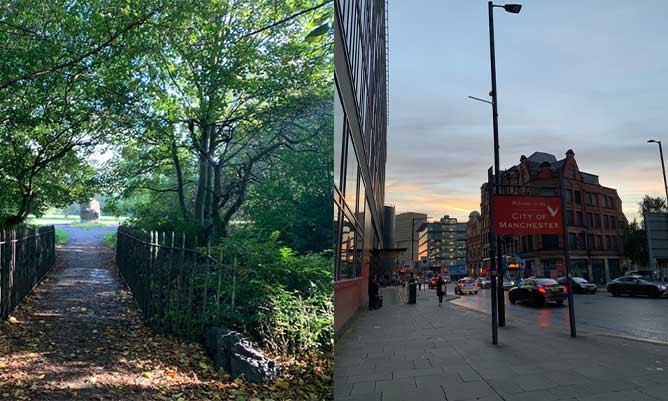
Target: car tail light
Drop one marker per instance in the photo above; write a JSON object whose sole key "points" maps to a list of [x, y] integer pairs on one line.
{"points": [[541, 290], [475, 284], [565, 288]]}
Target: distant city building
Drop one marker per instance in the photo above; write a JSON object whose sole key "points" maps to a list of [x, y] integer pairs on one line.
{"points": [[443, 244], [404, 223], [474, 244], [594, 215], [360, 132]]}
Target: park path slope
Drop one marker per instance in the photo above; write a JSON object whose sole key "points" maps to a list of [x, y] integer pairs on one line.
{"points": [[79, 337]]}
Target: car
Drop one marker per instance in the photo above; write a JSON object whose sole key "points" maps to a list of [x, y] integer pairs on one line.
{"points": [[432, 283], [466, 285], [538, 291], [579, 285], [483, 282], [508, 283], [637, 285]]}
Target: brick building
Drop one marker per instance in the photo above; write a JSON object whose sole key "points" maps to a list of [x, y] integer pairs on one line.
{"points": [[594, 215], [474, 243]]}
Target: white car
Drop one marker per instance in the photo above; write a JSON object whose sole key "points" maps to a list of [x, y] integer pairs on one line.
{"points": [[466, 285]]}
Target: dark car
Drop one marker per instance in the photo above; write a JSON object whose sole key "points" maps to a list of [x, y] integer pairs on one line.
{"points": [[509, 283], [637, 285], [432, 283], [579, 285], [537, 291], [483, 282]]}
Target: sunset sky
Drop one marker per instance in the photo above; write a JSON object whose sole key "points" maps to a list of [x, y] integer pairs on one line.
{"points": [[591, 77]]}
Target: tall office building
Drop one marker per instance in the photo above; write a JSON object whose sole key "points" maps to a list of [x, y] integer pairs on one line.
{"points": [[404, 224], [443, 244], [360, 131]]}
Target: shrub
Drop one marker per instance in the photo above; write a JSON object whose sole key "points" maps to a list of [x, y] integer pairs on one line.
{"points": [[290, 324]]}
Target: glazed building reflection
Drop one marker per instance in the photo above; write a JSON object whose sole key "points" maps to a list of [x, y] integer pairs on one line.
{"points": [[360, 130]]}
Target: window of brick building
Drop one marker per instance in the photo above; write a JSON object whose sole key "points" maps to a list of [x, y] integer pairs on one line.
{"points": [[582, 243], [572, 241], [599, 242], [569, 217], [588, 198], [606, 222], [578, 197], [608, 242], [568, 195], [594, 199], [578, 218], [550, 241], [590, 220]]}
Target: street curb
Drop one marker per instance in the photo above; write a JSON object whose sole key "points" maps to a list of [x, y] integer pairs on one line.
{"points": [[584, 331], [625, 337]]}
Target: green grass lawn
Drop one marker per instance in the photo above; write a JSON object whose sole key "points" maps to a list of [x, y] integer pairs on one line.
{"points": [[89, 226], [53, 219], [61, 237], [109, 240]]}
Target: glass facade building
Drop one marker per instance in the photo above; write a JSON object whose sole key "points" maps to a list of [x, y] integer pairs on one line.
{"points": [[360, 131]]}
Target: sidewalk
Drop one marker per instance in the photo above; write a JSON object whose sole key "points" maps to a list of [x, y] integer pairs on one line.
{"points": [[426, 352]]}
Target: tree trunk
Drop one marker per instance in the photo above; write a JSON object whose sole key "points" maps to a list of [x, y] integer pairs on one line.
{"points": [[179, 181], [202, 180], [218, 230]]}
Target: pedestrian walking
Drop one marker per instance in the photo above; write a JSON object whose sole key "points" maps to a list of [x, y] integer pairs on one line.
{"points": [[420, 283], [440, 289]]}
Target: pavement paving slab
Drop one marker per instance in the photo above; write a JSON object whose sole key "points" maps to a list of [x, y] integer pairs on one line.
{"points": [[430, 352]]}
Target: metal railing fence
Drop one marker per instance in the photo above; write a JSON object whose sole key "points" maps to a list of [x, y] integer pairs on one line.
{"points": [[26, 255], [179, 289]]}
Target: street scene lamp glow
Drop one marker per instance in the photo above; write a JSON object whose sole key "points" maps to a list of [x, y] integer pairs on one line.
{"points": [[513, 8]]}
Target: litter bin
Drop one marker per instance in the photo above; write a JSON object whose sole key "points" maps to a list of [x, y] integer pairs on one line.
{"points": [[412, 292]]}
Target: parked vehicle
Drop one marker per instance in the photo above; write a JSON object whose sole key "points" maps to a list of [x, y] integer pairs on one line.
{"points": [[483, 282], [466, 285], [508, 283], [579, 285], [637, 285], [538, 291]]}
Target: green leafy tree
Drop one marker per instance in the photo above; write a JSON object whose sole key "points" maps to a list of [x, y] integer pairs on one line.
{"points": [[652, 205], [294, 196], [60, 96], [225, 86], [635, 244]]}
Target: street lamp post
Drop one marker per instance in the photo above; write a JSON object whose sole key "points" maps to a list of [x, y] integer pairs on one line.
{"points": [[514, 9], [663, 167]]}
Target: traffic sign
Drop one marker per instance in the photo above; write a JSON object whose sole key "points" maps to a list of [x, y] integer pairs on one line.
{"points": [[527, 215]]}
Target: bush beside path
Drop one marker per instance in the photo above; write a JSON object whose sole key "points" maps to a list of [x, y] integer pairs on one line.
{"points": [[79, 336]]}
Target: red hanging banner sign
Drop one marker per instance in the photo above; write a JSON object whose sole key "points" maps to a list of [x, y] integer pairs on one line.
{"points": [[527, 215]]}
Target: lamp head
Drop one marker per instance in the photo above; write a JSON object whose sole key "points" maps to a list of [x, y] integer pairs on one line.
{"points": [[652, 141], [513, 8]]}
